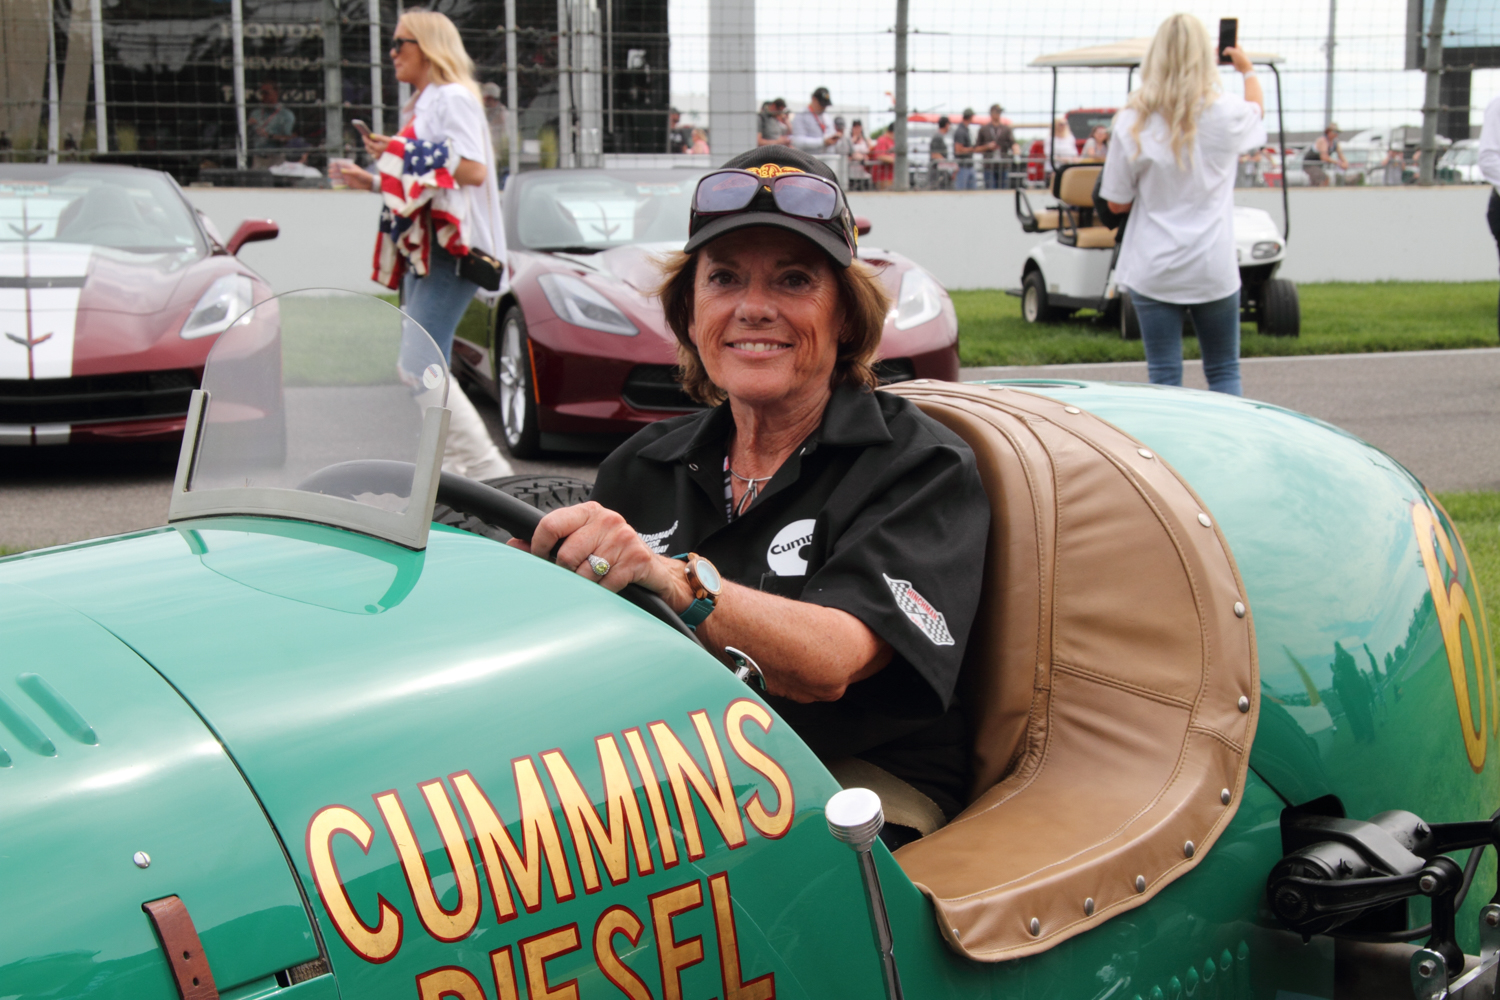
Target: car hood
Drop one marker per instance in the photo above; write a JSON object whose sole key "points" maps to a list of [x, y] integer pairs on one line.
{"points": [[112, 280]]}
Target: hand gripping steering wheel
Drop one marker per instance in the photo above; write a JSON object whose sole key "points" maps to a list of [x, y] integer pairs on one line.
{"points": [[350, 479]]}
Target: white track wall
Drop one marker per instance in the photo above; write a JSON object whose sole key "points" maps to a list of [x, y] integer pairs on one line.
{"points": [[967, 239]]}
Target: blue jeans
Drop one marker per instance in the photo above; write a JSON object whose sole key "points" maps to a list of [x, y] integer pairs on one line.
{"points": [[1218, 325], [438, 301], [965, 179]]}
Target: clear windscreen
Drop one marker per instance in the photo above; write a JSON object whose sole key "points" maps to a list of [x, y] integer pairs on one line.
{"points": [[136, 211], [312, 379], [586, 211]]}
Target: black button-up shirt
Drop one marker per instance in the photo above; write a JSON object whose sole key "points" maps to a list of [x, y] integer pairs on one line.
{"points": [[880, 513]]}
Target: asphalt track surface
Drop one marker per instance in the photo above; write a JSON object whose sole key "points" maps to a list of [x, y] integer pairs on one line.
{"points": [[1437, 412]]}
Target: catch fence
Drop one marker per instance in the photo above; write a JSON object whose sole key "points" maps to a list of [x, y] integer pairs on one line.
{"points": [[265, 91]]}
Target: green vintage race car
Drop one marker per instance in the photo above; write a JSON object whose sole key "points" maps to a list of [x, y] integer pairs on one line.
{"points": [[1231, 688]]}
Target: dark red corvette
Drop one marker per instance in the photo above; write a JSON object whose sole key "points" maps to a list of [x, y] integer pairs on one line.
{"points": [[581, 353], [112, 291]]}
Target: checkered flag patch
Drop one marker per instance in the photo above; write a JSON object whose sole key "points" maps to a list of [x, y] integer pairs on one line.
{"points": [[923, 615]]}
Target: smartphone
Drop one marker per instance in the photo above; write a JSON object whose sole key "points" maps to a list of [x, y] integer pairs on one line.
{"points": [[361, 128], [1229, 34]]}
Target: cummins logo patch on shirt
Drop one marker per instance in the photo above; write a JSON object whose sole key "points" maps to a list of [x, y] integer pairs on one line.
{"points": [[657, 540], [923, 615], [785, 554]]}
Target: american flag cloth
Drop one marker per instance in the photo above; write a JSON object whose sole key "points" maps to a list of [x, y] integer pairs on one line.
{"points": [[422, 204]]}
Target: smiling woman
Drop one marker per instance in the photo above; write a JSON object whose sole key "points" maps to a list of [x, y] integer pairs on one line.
{"points": [[822, 527]]}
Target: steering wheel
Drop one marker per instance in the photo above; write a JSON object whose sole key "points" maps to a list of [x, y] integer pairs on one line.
{"points": [[350, 479]]}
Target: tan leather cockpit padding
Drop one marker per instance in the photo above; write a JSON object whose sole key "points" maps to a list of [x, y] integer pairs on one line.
{"points": [[1076, 186], [1102, 680]]}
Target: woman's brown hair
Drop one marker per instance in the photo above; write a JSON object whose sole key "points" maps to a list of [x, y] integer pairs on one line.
{"points": [[862, 298]]}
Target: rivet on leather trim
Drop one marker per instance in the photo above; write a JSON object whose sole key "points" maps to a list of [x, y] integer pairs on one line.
{"points": [[957, 936], [1071, 409], [1036, 927], [1225, 796], [1244, 704], [1188, 849], [919, 381], [998, 388], [1145, 453], [1140, 883], [1088, 907], [1203, 520], [1239, 609]]}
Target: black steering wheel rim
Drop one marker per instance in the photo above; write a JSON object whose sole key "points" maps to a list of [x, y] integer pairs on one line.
{"points": [[350, 479]]}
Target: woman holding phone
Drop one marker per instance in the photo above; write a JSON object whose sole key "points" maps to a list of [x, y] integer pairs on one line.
{"points": [[1172, 159], [446, 107]]}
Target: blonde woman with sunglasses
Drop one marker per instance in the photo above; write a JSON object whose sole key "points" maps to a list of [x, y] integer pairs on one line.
{"points": [[429, 55]]}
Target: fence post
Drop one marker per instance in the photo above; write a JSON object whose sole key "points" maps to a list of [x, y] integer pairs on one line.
{"points": [[903, 179], [564, 89], [101, 125], [333, 80], [732, 104], [377, 87], [1333, 12], [54, 102], [512, 125], [1434, 70], [237, 43]]}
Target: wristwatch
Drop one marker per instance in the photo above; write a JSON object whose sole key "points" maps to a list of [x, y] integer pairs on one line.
{"points": [[704, 578]]}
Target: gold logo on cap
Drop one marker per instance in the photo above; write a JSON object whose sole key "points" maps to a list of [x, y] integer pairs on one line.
{"points": [[769, 170]]}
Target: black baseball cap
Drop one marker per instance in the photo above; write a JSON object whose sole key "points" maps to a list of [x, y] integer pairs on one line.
{"points": [[837, 237], [821, 96]]}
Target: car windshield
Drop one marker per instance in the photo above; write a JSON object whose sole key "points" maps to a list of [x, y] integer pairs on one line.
{"points": [[132, 210], [1463, 157], [588, 211]]}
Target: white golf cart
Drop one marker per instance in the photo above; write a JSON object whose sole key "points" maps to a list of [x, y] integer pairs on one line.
{"points": [[1074, 268]]}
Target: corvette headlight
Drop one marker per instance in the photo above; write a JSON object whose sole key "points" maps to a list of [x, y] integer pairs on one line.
{"points": [[574, 301], [921, 299], [226, 300], [1265, 249]]}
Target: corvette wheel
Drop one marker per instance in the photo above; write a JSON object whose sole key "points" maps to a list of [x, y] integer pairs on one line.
{"points": [[518, 417]]}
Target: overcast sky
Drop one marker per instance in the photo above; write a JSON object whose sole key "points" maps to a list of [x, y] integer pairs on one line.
{"points": [[975, 52]]}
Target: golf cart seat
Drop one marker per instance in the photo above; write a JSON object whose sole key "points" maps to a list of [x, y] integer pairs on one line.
{"points": [[1111, 724], [1073, 185], [1033, 221]]}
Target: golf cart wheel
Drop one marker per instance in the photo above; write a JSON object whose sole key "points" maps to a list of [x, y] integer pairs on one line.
{"points": [[518, 416], [1279, 313], [1130, 323], [1034, 307]]}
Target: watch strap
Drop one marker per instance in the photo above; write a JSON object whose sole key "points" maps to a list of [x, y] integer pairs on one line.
{"points": [[697, 611]]}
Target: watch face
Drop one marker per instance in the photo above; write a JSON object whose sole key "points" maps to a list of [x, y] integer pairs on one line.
{"points": [[708, 575]]}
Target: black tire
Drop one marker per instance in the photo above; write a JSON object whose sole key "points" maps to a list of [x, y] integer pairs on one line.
{"points": [[1279, 312], [1130, 323], [542, 492], [513, 386], [1034, 307]]}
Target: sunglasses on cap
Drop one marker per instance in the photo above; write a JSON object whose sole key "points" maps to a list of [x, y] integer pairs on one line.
{"points": [[805, 196]]}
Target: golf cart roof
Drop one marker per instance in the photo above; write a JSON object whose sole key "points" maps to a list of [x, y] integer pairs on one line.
{"points": [[1129, 52]]}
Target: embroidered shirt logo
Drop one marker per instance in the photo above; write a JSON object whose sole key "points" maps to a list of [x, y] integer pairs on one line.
{"points": [[785, 555], [657, 540], [923, 615]]}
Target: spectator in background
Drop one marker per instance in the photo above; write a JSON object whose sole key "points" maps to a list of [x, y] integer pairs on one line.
{"points": [[1062, 148], [963, 151], [270, 125], [859, 153], [679, 136], [882, 160], [294, 164], [1097, 146], [773, 126], [940, 169], [812, 132], [1176, 144], [1393, 168], [494, 116], [1489, 165], [1327, 149], [998, 144], [700, 142]]}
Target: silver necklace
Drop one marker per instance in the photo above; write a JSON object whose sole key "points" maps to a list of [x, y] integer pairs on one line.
{"points": [[752, 489]]}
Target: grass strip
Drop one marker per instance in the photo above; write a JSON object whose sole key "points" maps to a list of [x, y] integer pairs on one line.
{"points": [[1477, 518], [1337, 318]]}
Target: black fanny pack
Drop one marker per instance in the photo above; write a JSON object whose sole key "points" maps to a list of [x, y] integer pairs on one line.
{"points": [[480, 268]]}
